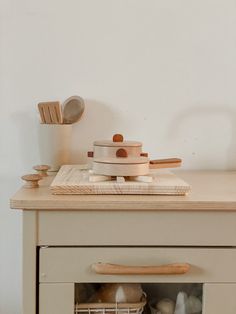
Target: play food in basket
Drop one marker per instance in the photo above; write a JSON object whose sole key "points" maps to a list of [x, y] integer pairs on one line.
{"points": [[119, 293], [117, 298]]}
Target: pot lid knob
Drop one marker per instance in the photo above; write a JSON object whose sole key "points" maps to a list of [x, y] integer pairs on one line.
{"points": [[118, 138]]}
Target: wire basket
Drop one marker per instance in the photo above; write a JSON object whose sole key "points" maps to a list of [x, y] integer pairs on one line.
{"points": [[110, 308]]}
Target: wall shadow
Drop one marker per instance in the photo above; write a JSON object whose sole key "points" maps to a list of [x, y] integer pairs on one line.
{"points": [[99, 121], [209, 111], [26, 124]]}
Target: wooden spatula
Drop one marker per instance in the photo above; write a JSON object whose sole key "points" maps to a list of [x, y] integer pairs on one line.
{"points": [[50, 112]]}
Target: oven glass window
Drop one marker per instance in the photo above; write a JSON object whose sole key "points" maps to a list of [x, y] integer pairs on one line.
{"points": [[135, 298]]}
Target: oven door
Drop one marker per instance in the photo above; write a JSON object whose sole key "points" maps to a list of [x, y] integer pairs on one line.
{"points": [[163, 272]]}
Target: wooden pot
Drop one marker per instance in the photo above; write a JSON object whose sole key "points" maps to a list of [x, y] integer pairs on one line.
{"points": [[125, 158], [121, 166], [109, 148]]}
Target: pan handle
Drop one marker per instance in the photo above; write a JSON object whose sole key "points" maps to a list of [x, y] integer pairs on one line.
{"points": [[165, 163]]}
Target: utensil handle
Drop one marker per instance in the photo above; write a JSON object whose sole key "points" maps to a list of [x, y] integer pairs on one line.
{"points": [[115, 269], [165, 163]]}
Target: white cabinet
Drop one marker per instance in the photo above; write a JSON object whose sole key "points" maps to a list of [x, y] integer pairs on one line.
{"points": [[219, 298], [56, 298], [64, 235], [60, 268]]}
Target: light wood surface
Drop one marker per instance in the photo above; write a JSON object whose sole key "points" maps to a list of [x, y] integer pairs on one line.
{"points": [[121, 169], [211, 190], [123, 161], [115, 269], [71, 264], [41, 112], [50, 112], [44, 109], [71, 179], [165, 163], [109, 143], [165, 160], [110, 151], [32, 180], [42, 170], [56, 112]]}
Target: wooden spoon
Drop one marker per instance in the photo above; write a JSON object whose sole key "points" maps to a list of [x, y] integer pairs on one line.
{"points": [[73, 109]]}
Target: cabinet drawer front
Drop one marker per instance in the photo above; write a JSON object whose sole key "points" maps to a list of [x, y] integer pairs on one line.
{"points": [[75, 264], [158, 228]]}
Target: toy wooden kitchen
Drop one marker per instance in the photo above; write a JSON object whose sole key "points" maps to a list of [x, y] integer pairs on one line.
{"points": [[165, 244]]}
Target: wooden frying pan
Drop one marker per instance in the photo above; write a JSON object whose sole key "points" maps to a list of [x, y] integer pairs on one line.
{"points": [[130, 166]]}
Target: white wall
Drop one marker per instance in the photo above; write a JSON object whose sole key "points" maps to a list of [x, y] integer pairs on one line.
{"points": [[159, 71]]}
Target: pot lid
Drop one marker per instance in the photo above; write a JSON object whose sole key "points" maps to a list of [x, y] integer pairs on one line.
{"points": [[117, 140], [121, 160]]}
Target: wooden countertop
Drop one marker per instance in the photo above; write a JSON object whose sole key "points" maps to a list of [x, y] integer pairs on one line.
{"points": [[211, 191]]}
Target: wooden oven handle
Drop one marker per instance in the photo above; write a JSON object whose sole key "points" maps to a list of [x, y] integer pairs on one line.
{"points": [[165, 163], [114, 269]]}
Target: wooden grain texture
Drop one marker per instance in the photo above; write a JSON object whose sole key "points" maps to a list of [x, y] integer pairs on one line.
{"points": [[115, 269], [110, 151], [41, 112], [165, 163], [56, 112], [44, 109], [73, 180], [42, 170], [166, 160], [211, 190], [121, 169], [31, 180], [50, 112], [69, 264]]}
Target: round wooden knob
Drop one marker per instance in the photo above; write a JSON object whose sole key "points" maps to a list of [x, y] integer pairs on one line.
{"points": [[118, 138], [32, 180], [121, 153], [42, 169]]}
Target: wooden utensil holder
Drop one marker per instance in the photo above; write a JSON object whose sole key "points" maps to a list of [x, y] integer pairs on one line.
{"points": [[54, 144]]}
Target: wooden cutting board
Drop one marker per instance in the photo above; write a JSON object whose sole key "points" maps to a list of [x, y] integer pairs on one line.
{"points": [[74, 179]]}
